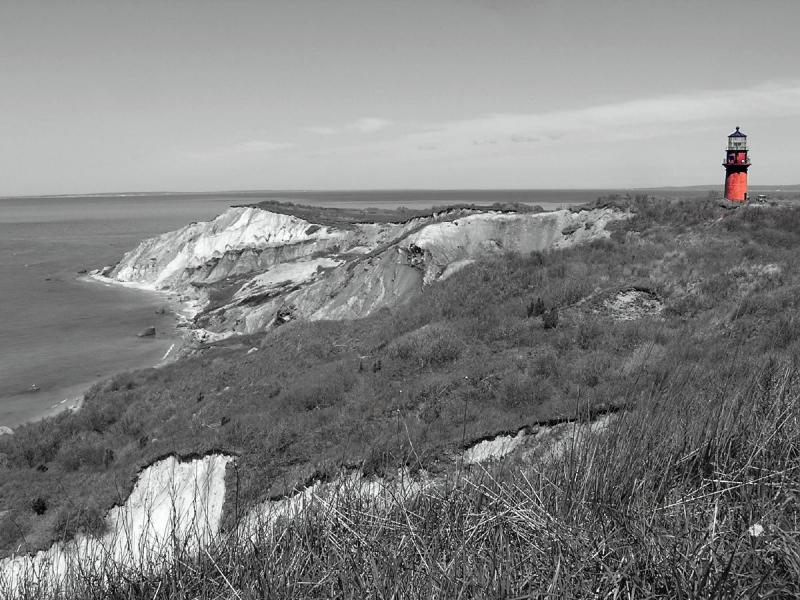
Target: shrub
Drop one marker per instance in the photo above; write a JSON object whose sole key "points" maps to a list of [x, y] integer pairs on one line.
{"points": [[536, 308], [643, 358], [88, 519], [523, 390], [132, 422], [123, 381], [430, 345], [83, 450], [39, 505], [37, 443], [537, 258], [589, 334], [547, 363], [322, 387], [550, 319], [99, 415]]}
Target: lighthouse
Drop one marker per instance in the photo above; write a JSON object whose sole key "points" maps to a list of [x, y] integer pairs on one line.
{"points": [[736, 165]]}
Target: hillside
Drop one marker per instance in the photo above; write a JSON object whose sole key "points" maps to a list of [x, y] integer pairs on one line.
{"points": [[679, 317]]}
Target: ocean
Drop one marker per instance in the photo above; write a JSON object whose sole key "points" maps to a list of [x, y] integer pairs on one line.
{"points": [[60, 333]]}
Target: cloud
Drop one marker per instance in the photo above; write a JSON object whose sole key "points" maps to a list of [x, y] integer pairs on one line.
{"points": [[362, 125], [371, 124], [542, 143], [499, 134]]}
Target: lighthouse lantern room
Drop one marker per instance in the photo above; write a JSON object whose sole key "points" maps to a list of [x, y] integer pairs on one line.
{"points": [[736, 165]]}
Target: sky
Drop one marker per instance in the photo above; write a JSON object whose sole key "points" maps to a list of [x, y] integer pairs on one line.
{"points": [[118, 96]]}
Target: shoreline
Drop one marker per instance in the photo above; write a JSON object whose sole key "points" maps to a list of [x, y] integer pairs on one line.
{"points": [[184, 310], [72, 396]]}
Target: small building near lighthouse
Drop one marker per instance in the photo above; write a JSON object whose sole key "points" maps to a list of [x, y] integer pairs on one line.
{"points": [[736, 164]]}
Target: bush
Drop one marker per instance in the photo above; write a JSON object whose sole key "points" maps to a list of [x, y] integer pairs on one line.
{"points": [[99, 415], [39, 505], [123, 381], [547, 363], [132, 422], [84, 450], [88, 519], [536, 308], [37, 443], [589, 334], [550, 319], [430, 345], [322, 387], [522, 390]]}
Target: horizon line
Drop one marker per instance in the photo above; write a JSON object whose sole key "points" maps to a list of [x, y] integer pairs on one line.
{"points": [[382, 190]]}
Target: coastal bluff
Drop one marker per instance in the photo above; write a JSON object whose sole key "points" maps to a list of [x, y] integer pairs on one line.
{"points": [[252, 268]]}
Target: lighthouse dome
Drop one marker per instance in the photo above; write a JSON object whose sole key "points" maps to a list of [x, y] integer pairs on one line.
{"points": [[737, 134]]}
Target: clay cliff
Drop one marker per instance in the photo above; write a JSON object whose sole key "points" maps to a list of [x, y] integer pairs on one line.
{"points": [[249, 268]]}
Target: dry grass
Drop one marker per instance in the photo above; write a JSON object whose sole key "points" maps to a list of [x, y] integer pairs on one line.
{"points": [[662, 504]]}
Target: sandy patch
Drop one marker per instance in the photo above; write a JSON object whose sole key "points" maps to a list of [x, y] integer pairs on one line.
{"points": [[494, 449], [629, 305]]}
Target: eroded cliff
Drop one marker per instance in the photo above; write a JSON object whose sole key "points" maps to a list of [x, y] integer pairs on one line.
{"points": [[250, 268]]}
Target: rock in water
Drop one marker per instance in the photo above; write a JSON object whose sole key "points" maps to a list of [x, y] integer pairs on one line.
{"points": [[149, 332]]}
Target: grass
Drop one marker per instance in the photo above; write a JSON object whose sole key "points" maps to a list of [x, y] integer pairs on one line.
{"points": [[658, 506], [664, 503], [342, 217]]}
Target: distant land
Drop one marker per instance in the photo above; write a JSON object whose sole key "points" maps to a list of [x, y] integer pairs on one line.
{"points": [[360, 192], [774, 188]]}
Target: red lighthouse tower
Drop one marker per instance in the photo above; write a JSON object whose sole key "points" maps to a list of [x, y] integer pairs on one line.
{"points": [[736, 165]]}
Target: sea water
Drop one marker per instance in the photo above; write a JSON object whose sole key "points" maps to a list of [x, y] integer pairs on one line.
{"points": [[60, 332]]}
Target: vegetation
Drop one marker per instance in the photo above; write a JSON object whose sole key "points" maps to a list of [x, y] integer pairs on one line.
{"points": [[663, 504], [686, 496], [342, 217]]}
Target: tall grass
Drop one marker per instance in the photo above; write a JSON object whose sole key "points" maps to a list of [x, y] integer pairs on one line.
{"points": [[687, 496]]}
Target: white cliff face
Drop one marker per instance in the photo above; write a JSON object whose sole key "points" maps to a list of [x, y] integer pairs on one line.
{"points": [[451, 243], [171, 258], [173, 504], [282, 267]]}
